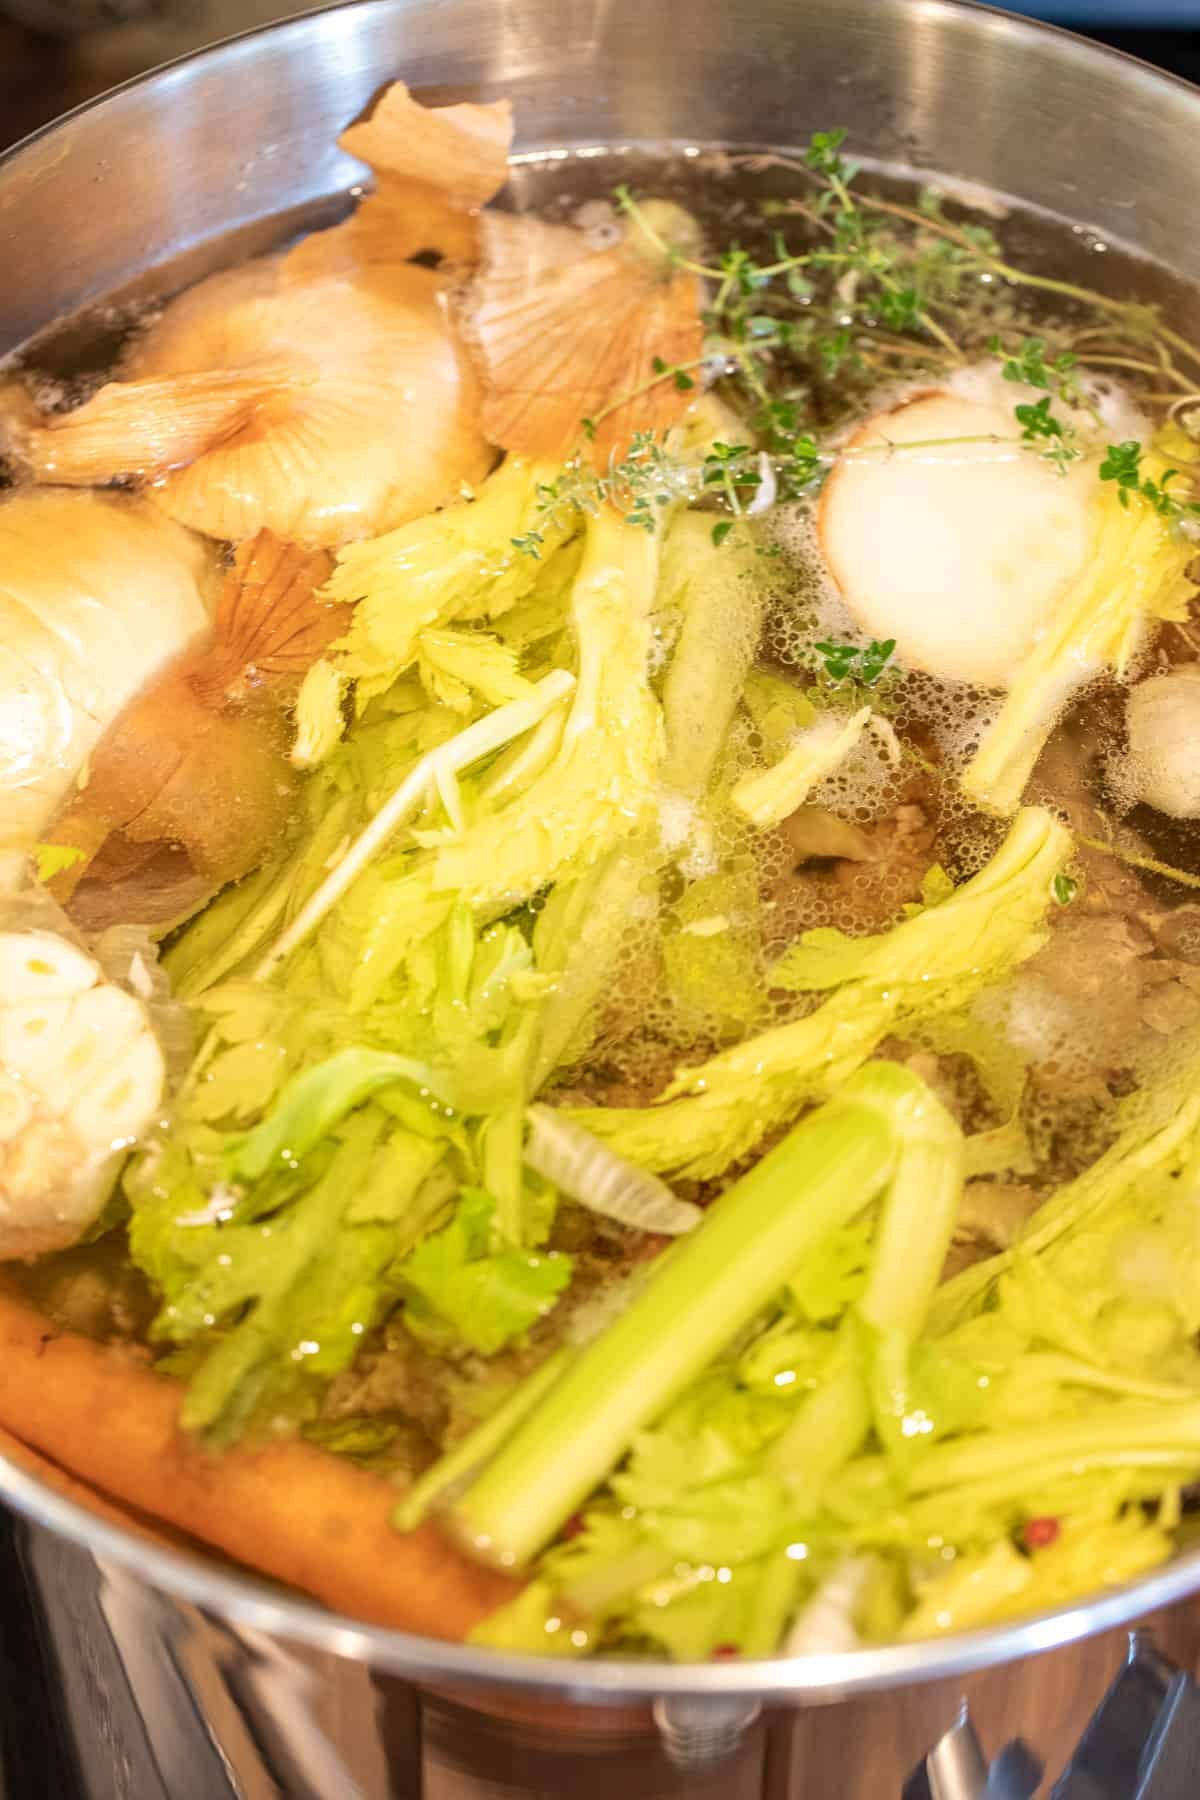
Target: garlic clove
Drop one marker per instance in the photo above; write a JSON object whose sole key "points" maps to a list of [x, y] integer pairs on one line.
{"points": [[1163, 721]]}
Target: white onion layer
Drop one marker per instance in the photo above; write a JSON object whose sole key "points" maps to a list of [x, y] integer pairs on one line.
{"points": [[594, 1176]]}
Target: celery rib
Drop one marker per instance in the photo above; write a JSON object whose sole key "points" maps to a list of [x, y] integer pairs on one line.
{"points": [[716, 1280]]}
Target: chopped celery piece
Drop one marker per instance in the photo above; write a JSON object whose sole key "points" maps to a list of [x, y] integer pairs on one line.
{"points": [[457, 563], [595, 793], [871, 1373], [720, 593], [1158, 1136], [1136, 572], [933, 962], [768, 797]]}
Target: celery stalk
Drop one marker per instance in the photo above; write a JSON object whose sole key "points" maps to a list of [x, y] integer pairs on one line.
{"points": [[475, 1448], [918, 1219], [1136, 571], [502, 1170], [721, 595], [430, 771], [919, 1215], [1105, 1437], [1159, 1130], [822, 1174], [770, 796], [830, 1427]]}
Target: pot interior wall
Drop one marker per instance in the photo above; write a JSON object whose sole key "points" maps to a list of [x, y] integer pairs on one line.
{"points": [[223, 151]]}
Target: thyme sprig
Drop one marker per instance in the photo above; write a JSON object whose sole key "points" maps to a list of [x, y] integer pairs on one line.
{"points": [[1123, 464], [644, 481], [854, 662], [799, 332]]}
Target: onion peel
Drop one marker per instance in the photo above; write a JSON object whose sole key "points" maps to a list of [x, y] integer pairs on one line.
{"points": [[143, 428], [434, 168], [196, 765], [562, 333]]}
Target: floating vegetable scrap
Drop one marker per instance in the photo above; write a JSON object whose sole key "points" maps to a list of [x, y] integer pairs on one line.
{"points": [[434, 168], [652, 1059], [542, 292]]}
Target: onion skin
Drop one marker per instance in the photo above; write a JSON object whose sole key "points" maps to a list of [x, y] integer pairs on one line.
{"points": [[98, 594], [198, 762]]}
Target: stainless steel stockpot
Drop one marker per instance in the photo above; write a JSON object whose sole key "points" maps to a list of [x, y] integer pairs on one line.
{"points": [[230, 150]]}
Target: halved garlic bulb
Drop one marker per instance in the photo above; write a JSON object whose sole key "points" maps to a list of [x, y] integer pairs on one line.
{"points": [[97, 593], [958, 546], [81, 1077], [563, 333]]}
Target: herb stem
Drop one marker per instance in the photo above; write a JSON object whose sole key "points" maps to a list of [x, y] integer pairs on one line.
{"points": [[1149, 863], [1092, 361]]}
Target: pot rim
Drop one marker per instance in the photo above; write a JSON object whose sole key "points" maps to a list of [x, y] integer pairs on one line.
{"points": [[246, 1600], [243, 1599]]}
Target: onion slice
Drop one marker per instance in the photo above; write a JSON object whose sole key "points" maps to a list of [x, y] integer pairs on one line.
{"points": [[594, 1176]]}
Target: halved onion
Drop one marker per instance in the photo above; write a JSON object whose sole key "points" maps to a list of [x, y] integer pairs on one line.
{"points": [[380, 426], [958, 547], [97, 593], [564, 333], [434, 168]]}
